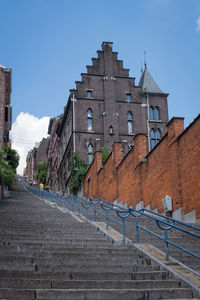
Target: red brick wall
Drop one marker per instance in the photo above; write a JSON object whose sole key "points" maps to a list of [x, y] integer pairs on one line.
{"points": [[189, 162], [107, 177], [171, 168]]}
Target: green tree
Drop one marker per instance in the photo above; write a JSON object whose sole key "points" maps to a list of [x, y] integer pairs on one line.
{"points": [[12, 157], [78, 169], [41, 172], [7, 173]]}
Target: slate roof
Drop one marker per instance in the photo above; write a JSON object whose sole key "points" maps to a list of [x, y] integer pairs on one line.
{"points": [[148, 84]]}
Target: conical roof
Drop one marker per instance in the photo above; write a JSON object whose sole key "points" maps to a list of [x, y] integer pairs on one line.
{"points": [[148, 84]]}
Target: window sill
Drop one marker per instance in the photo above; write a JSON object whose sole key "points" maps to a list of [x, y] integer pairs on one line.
{"points": [[156, 121]]}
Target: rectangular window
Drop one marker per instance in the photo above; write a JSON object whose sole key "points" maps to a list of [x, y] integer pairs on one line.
{"points": [[6, 114], [128, 97], [89, 94]]}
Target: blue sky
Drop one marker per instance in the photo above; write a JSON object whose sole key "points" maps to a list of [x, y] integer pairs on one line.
{"points": [[48, 44]]}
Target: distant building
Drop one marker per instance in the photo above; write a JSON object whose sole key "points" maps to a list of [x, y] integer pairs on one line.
{"points": [[5, 108], [35, 156], [106, 107], [52, 153]]}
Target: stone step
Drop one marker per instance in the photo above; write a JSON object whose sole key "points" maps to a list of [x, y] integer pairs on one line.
{"points": [[41, 243], [68, 251], [75, 268], [152, 274], [95, 294], [70, 259], [24, 283], [66, 256]]}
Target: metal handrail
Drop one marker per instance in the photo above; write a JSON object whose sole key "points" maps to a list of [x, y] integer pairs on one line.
{"points": [[169, 218], [82, 205]]}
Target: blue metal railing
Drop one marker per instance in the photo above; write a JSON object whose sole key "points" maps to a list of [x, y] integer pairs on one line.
{"points": [[105, 208]]}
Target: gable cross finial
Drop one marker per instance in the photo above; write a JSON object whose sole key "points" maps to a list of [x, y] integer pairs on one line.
{"points": [[141, 67], [145, 62]]}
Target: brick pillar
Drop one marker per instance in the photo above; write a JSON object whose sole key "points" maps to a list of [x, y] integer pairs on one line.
{"points": [[98, 160], [139, 148], [117, 153], [175, 128]]}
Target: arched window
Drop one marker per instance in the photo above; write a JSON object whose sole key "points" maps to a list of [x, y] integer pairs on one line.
{"points": [[156, 113], [155, 137], [151, 114], [153, 142], [90, 153], [89, 116], [130, 123]]}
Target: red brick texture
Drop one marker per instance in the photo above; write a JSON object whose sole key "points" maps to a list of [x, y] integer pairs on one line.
{"points": [[171, 168]]}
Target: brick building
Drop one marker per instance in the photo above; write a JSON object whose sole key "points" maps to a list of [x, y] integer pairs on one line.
{"points": [[106, 107], [31, 167], [52, 153], [5, 108], [34, 156], [139, 179]]}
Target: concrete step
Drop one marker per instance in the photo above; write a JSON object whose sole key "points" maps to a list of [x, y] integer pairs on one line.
{"points": [[75, 268], [21, 283], [68, 251], [152, 274], [72, 260], [95, 294]]}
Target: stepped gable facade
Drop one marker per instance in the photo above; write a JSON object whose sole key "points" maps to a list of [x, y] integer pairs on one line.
{"points": [[5, 108], [106, 107]]}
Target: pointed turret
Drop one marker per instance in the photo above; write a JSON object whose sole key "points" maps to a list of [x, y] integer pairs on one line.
{"points": [[148, 84]]}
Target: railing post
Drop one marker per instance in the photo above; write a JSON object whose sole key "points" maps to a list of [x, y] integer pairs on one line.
{"points": [[95, 212], [107, 220], [78, 206], [72, 203], [137, 230], [167, 248], [124, 231], [86, 214], [68, 203]]}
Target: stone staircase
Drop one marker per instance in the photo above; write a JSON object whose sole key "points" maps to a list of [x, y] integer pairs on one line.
{"points": [[47, 254]]}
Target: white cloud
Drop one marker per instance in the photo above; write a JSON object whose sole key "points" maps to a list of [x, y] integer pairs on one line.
{"points": [[198, 24], [26, 131]]}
